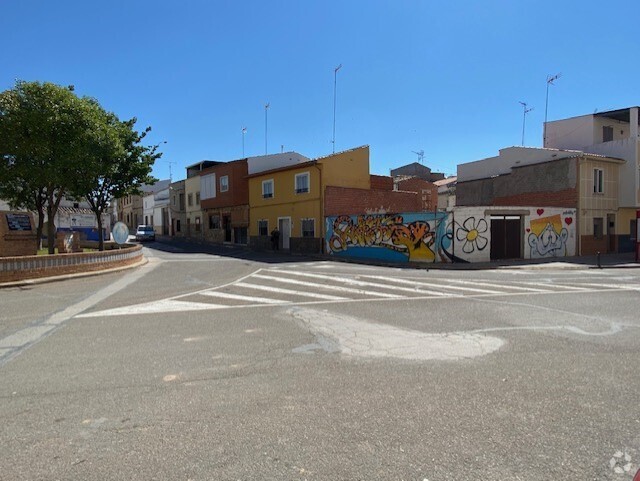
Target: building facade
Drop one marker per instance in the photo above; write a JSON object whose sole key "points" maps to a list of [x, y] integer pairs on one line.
{"points": [[614, 133], [548, 178]]}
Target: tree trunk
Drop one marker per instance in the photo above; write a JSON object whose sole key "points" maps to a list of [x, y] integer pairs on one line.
{"points": [[100, 238], [51, 229], [40, 227]]}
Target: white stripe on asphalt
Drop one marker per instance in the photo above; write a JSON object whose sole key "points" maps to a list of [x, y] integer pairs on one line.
{"points": [[237, 297], [552, 286], [280, 290], [436, 285], [355, 282], [627, 287], [325, 286], [165, 305], [500, 286]]}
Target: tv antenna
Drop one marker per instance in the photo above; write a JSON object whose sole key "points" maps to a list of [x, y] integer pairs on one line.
{"points": [[420, 154], [525, 111]]}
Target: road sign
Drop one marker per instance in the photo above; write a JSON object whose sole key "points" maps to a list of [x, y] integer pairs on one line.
{"points": [[120, 233]]}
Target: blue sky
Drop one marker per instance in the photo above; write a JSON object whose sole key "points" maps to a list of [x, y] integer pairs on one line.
{"points": [[443, 77]]}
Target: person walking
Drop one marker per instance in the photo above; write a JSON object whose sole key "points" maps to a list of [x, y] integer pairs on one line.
{"points": [[275, 239]]}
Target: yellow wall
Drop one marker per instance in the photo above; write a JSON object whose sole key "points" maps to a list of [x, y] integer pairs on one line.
{"points": [[285, 201], [597, 204], [347, 169]]}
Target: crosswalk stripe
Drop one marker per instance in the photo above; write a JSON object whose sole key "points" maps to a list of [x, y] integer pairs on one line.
{"points": [[237, 297], [552, 287], [280, 290], [356, 282], [325, 286], [628, 287], [501, 286], [438, 286]]}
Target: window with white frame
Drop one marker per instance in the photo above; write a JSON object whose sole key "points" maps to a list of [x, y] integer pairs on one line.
{"points": [[302, 183], [598, 181], [207, 187], [224, 183], [308, 227], [263, 227], [267, 189]]}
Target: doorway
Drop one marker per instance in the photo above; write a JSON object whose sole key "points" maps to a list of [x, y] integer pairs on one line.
{"points": [[284, 226], [506, 237], [611, 232], [226, 223]]}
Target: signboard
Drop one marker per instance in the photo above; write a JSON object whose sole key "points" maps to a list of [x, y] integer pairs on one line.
{"points": [[19, 222], [120, 233]]}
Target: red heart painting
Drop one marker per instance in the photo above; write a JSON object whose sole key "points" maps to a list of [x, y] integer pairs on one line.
{"points": [[528, 230], [540, 211], [568, 220]]}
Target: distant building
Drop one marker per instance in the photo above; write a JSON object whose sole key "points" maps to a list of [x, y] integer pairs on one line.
{"points": [[446, 193], [417, 170]]}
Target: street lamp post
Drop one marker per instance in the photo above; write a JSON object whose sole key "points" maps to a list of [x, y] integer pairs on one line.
{"points": [[335, 85], [550, 80], [266, 109], [244, 131]]}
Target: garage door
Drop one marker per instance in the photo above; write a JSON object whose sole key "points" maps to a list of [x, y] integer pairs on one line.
{"points": [[506, 237]]}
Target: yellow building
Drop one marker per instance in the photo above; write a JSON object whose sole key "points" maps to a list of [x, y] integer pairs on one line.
{"points": [[291, 198]]}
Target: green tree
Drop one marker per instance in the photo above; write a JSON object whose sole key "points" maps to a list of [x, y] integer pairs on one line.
{"points": [[46, 133], [118, 166]]}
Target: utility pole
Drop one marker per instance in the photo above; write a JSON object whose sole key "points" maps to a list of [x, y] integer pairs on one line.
{"points": [[525, 111], [335, 89], [550, 80]]}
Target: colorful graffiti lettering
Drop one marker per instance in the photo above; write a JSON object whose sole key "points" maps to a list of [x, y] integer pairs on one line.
{"points": [[414, 239], [547, 237]]}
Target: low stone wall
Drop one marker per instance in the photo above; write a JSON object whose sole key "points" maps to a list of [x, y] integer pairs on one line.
{"points": [[32, 267]]}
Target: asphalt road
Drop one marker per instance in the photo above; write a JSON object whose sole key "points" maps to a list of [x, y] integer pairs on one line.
{"points": [[202, 366]]}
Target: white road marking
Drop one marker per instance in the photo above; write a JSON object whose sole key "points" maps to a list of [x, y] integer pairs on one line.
{"points": [[325, 286], [628, 287], [237, 297], [363, 338], [24, 338], [500, 286], [280, 290], [165, 305], [355, 282], [437, 285]]}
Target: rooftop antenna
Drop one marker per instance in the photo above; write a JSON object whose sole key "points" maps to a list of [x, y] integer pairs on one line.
{"points": [[525, 111], [335, 89], [420, 154], [550, 80]]}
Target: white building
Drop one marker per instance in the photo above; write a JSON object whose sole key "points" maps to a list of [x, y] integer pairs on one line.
{"points": [[615, 133]]}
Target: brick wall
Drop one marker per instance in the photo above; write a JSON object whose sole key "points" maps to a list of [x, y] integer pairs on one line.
{"points": [[427, 192], [381, 182], [348, 201], [32, 267]]}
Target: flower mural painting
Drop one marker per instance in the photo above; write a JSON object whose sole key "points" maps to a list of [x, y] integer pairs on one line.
{"points": [[470, 234]]}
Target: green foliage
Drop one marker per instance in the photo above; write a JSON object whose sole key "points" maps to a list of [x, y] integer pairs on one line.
{"points": [[54, 143]]}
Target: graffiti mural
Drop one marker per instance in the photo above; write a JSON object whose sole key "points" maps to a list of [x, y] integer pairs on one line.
{"points": [[547, 236], [393, 237], [461, 236]]}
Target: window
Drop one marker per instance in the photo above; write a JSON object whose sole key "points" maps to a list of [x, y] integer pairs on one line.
{"points": [[607, 133], [267, 189], [181, 198], [214, 221], [598, 181], [207, 187], [598, 227], [197, 198], [178, 225], [302, 183], [263, 227], [197, 224], [224, 183], [190, 200], [308, 228]]}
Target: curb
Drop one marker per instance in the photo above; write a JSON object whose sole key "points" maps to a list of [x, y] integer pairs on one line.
{"points": [[77, 275]]}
